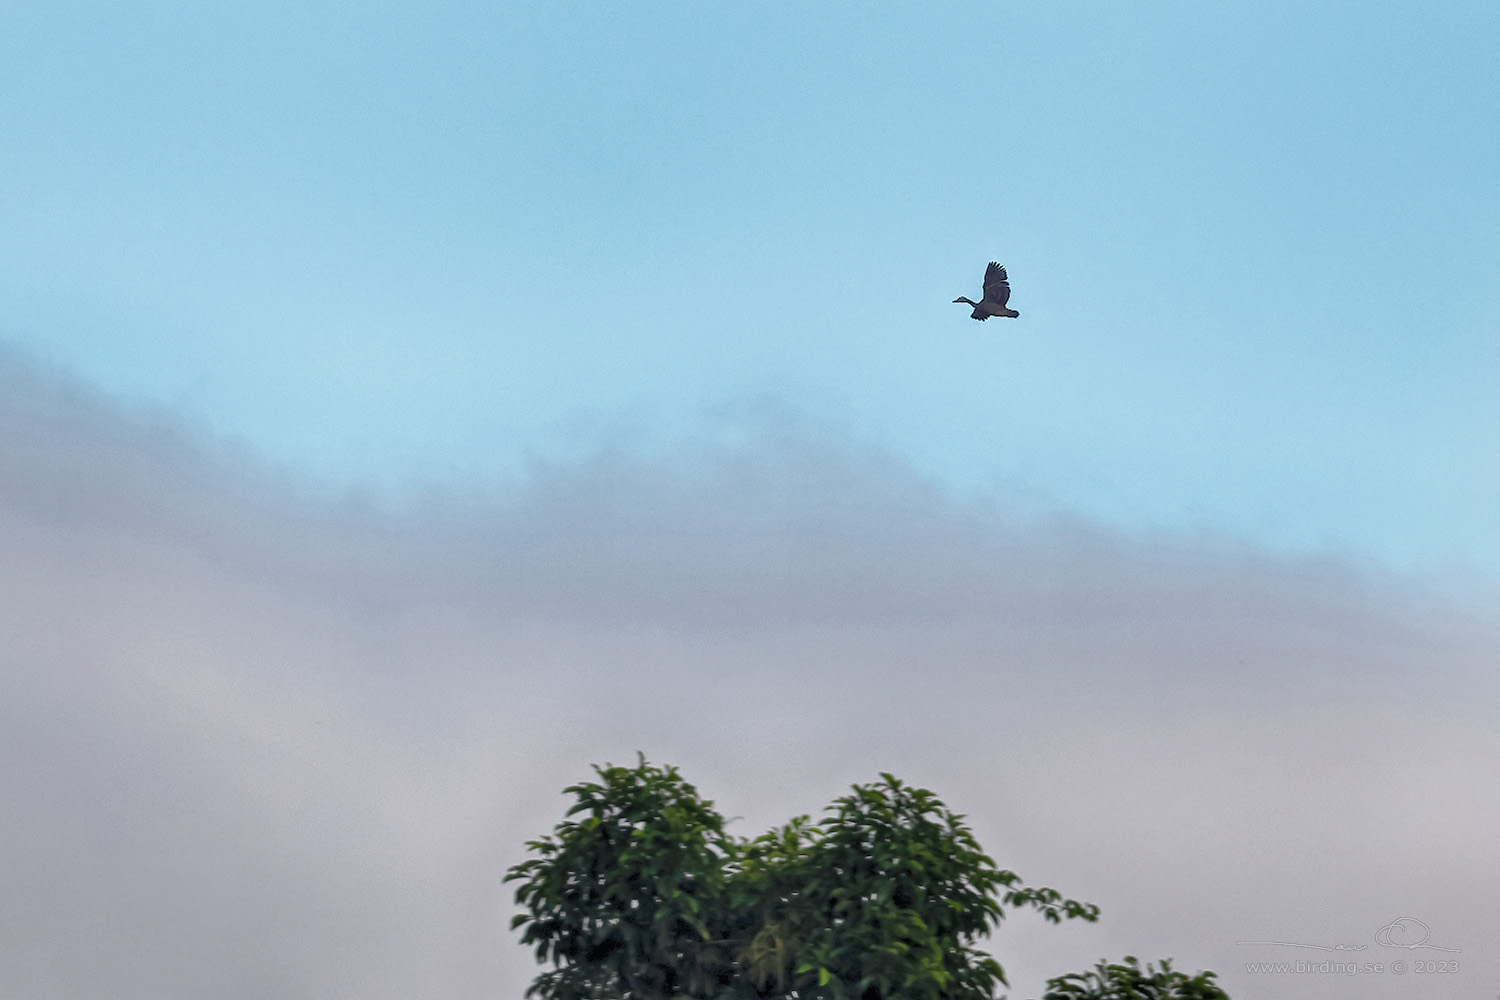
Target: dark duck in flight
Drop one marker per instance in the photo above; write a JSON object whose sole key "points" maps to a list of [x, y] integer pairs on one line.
{"points": [[996, 294]]}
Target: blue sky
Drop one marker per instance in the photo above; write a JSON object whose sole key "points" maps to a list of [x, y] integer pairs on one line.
{"points": [[1253, 245]]}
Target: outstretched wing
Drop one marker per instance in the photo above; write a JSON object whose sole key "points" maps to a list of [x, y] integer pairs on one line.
{"points": [[996, 285]]}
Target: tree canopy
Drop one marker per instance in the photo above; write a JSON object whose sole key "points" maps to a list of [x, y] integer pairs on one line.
{"points": [[1128, 981], [641, 894]]}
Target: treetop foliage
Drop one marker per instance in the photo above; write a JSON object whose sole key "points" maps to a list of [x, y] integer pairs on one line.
{"points": [[1128, 981], [641, 894]]}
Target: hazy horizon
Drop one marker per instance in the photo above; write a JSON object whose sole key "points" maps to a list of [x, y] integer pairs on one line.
{"points": [[260, 742]]}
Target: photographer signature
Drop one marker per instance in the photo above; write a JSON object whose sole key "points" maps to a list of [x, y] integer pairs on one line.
{"points": [[1403, 932]]}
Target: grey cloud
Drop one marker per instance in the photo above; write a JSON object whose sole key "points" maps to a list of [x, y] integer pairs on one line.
{"points": [[262, 741]]}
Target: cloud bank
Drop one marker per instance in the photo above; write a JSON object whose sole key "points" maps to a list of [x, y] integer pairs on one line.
{"points": [[256, 741]]}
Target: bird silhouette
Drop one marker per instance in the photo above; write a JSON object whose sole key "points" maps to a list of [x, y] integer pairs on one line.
{"points": [[996, 294]]}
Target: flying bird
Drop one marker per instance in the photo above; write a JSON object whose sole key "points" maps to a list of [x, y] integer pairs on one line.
{"points": [[996, 294]]}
